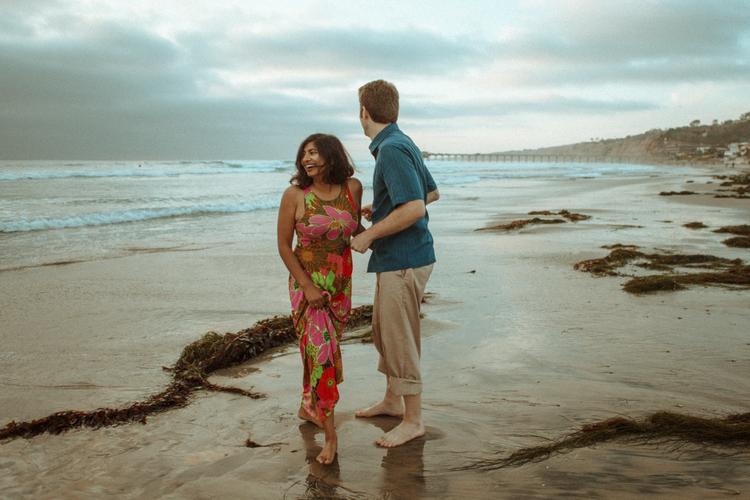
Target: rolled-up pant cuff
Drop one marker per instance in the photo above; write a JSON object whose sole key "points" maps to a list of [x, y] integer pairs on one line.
{"points": [[403, 386]]}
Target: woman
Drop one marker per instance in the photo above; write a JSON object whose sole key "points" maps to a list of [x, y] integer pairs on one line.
{"points": [[322, 206]]}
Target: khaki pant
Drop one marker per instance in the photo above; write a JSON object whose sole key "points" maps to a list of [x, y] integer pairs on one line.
{"points": [[396, 327]]}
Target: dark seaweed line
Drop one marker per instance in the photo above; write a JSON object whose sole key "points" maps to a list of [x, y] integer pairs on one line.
{"points": [[190, 373], [662, 426]]}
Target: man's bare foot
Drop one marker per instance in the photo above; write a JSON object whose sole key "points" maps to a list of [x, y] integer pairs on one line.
{"points": [[306, 416], [402, 433], [328, 453], [382, 408]]}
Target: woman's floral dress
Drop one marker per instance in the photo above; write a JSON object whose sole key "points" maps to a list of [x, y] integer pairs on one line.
{"points": [[323, 235]]}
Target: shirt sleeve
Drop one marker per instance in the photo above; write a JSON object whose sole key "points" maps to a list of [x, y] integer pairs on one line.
{"points": [[400, 176], [431, 185]]}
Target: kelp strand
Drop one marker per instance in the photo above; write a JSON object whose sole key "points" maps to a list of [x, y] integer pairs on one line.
{"points": [[730, 431], [190, 373]]}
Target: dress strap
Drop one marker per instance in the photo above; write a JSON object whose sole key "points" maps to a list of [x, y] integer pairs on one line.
{"points": [[350, 197]]}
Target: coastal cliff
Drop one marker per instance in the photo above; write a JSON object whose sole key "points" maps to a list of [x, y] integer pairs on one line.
{"points": [[695, 142]]}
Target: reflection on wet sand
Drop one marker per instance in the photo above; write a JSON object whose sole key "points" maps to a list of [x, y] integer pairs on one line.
{"points": [[403, 466], [323, 480], [401, 475]]}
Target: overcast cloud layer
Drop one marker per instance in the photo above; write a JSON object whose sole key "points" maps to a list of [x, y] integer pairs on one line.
{"points": [[130, 80]]}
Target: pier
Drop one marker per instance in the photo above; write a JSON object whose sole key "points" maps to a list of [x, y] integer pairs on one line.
{"points": [[529, 157]]}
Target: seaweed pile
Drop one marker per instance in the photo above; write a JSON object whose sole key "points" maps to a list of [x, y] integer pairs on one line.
{"points": [[722, 272], [571, 216], [676, 193], [740, 241], [734, 186], [742, 232], [566, 215], [659, 427], [190, 373], [739, 186]]}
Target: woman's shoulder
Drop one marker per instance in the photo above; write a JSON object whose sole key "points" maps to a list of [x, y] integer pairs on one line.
{"points": [[293, 192], [294, 189], [354, 184]]}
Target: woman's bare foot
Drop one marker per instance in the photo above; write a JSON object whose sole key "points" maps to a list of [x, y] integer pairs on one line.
{"points": [[382, 408], [306, 416], [402, 433], [328, 453]]}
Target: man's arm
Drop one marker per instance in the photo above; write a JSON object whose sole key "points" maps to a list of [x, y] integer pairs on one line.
{"points": [[431, 197], [402, 217]]}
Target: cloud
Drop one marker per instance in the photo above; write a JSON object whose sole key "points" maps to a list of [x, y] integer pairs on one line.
{"points": [[657, 29], [115, 82], [339, 50], [107, 65], [109, 88], [643, 41], [116, 91], [654, 71], [548, 105]]}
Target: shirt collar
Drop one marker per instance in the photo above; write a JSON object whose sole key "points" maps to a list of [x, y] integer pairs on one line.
{"points": [[388, 130]]}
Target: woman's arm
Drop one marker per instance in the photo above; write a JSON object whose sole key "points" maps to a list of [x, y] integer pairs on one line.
{"points": [[284, 238], [432, 196], [355, 187]]}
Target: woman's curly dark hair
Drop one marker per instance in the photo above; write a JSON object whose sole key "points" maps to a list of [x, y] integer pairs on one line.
{"points": [[339, 164]]}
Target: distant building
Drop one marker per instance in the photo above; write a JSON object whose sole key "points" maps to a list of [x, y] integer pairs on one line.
{"points": [[736, 149], [737, 153]]}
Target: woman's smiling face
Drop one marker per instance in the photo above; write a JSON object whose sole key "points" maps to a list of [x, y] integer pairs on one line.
{"points": [[313, 163]]}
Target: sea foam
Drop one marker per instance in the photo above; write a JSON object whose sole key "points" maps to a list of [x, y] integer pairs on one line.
{"points": [[134, 215], [167, 169]]}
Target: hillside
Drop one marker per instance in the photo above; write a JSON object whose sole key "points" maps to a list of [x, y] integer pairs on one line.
{"points": [[692, 143]]}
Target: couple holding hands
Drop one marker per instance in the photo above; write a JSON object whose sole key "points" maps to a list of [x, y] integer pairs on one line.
{"points": [[323, 209]]}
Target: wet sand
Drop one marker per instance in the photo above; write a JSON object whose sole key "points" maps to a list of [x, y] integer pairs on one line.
{"points": [[521, 350]]}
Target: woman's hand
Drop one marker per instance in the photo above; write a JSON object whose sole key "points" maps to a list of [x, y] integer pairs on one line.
{"points": [[314, 296], [367, 212], [362, 242]]}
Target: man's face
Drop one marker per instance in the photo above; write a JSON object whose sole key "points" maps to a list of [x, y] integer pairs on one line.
{"points": [[362, 119]]}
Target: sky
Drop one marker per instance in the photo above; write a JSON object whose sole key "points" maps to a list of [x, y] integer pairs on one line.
{"points": [[145, 80]]}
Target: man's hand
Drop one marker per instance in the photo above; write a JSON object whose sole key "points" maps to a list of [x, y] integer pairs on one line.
{"points": [[361, 243]]}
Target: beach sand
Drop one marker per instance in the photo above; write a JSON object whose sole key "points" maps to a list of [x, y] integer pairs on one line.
{"points": [[518, 348]]}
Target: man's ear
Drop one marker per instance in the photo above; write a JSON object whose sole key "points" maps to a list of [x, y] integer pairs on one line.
{"points": [[363, 113]]}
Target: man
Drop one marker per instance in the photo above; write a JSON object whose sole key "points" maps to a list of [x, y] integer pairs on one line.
{"points": [[402, 256]]}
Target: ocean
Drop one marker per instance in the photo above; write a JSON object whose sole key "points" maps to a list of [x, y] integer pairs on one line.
{"points": [[55, 212]]}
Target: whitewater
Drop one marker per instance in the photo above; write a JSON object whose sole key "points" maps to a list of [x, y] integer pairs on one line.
{"points": [[53, 211]]}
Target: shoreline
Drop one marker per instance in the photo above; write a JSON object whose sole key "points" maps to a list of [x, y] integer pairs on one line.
{"points": [[545, 349]]}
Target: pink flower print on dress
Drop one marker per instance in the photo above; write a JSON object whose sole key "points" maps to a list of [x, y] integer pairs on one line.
{"points": [[317, 321], [325, 353], [340, 305], [335, 222], [296, 297], [318, 325], [310, 233]]}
